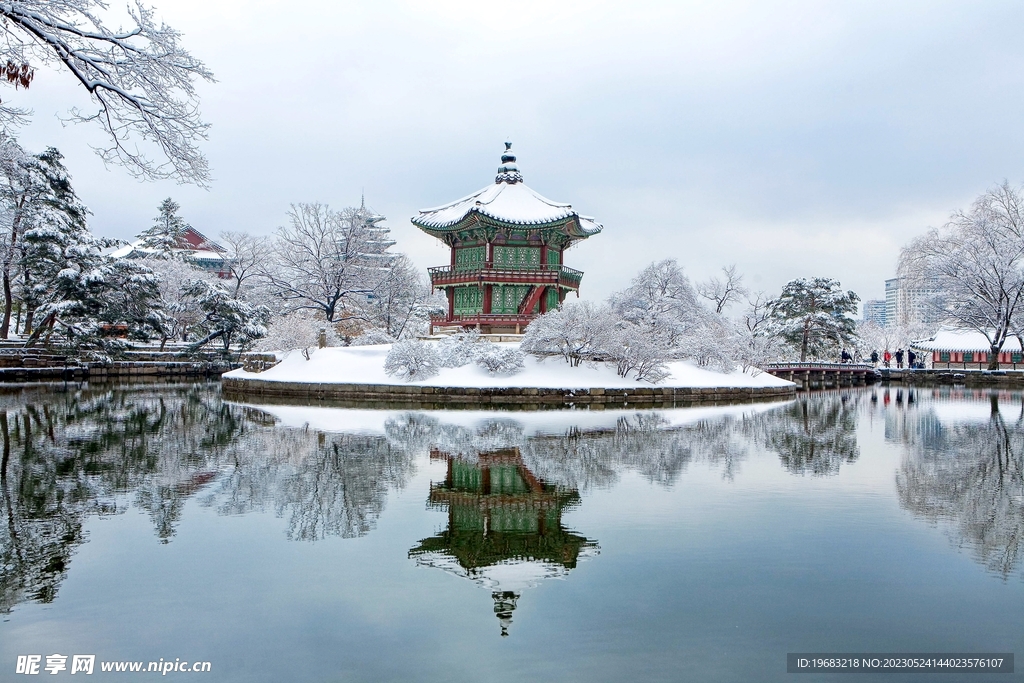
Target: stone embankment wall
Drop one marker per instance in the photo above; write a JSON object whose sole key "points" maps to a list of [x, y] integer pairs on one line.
{"points": [[29, 366], [1011, 379], [349, 395]]}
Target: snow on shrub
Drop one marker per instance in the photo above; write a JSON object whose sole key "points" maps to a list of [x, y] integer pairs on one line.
{"points": [[297, 330], [411, 359], [373, 337], [457, 350], [638, 353], [577, 333], [500, 360]]}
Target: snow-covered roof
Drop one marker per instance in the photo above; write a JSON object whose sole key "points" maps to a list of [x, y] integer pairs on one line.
{"points": [[508, 200], [137, 248], [958, 339]]}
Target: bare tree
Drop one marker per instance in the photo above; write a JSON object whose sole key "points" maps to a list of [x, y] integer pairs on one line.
{"points": [[976, 262], [331, 261], [139, 76], [398, 297], [723, 292], [246, 258]]}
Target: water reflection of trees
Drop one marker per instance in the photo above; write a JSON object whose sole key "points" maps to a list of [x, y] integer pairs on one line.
{"points": [[325, 484], [644, 442], [77, 453], [814, 434], [98, 451], [974, 482]]}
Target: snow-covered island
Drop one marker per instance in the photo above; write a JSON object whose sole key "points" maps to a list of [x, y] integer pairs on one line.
{"points": [[358, 373]]}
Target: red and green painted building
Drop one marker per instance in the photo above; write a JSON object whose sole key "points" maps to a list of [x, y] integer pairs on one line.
{"points": [[508, 247]]}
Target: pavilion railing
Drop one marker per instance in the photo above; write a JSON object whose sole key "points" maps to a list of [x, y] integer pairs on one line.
{"points": [[542, 273]]}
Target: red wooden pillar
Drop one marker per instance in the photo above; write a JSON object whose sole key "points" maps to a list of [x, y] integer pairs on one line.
{"points": [[450, 291], [543, 256], [487, 298]]}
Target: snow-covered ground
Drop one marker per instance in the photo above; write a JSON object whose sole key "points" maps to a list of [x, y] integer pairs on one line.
{"points": [[365, 365]]}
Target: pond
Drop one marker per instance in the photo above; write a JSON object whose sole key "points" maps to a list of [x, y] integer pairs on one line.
{"points": [[160, 523]]}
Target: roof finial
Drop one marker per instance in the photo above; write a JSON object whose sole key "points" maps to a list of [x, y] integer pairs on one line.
{"points": [[362, 199], [508, 172]]}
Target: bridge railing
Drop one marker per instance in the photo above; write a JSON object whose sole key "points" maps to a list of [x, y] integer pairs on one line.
{"points": [[798, 366]]}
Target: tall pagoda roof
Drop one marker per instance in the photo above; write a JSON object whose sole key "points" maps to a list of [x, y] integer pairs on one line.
{"points": [[509, 201]]}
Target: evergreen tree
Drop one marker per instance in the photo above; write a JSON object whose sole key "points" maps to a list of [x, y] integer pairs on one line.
{"points": [[69, 284], [35, 190], [166, 236], [813, 315], [225, 317]]}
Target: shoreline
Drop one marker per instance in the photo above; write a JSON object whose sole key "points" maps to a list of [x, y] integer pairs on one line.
{"points": [[448, 396]]}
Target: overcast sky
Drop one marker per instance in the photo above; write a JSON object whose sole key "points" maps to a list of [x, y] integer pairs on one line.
{"points": [[795, 139]]}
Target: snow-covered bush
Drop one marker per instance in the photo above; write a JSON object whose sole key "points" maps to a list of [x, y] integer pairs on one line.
{"points": [[298, 330], [372, 337], [633, 351], [457, 350], [710, 345], [577, 333], [500, 360], [412, 359]]}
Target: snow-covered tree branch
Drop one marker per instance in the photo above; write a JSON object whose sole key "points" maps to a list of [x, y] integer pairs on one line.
{"points": [[976, 263], [140, 78]]}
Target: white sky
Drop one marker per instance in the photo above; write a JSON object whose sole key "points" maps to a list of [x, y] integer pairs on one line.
{"points": [[795, 139]]}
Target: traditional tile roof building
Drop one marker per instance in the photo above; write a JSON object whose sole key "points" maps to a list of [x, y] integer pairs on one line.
{"points": [[201, 250], [955, 348], [507, 249]]}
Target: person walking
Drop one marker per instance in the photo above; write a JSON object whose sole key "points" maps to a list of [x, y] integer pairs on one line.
{"points": [[846, 357], [874, 358], [899, 358], [911, 359], [886, 358]]}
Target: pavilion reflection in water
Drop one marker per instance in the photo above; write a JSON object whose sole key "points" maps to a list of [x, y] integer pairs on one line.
{"points": [[505, 527]]}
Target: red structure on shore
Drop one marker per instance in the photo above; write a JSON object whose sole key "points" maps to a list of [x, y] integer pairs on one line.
{"points": [[507, 248]]}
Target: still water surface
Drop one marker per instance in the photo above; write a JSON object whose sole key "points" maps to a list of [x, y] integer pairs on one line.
{"points": [[322, 544]]}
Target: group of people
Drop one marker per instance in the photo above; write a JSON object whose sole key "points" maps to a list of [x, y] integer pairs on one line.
{"points": [[888, 357]]}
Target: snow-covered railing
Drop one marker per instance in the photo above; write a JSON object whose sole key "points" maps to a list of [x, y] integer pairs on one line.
{"points": [[542, 274], [798, 366]]}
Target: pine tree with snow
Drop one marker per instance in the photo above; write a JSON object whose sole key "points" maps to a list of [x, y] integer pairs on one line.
{"points": [[232, 321], [165, 238], [814, 315], [76, 291], [35, 191]]}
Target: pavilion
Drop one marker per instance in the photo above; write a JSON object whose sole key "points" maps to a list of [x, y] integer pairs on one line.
{"points": [[507, 248]]}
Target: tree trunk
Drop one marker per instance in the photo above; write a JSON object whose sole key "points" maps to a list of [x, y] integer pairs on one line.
{"points": [[34, 337], [27, 329], [803, 344], [993, 357], [5, 326]]}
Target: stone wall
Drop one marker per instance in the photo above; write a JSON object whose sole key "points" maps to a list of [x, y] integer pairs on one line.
{"points": [[440, 397]]}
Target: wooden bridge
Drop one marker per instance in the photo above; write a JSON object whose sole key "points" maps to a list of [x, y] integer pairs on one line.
{"points": [[820, 375]]}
